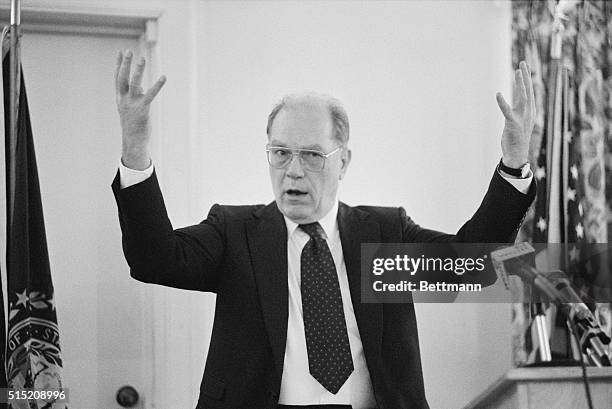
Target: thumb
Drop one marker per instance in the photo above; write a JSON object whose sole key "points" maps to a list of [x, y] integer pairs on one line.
{"points": [[503, 106], [152, 92]]}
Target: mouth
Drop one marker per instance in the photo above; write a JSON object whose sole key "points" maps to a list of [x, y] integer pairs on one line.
{"points": [[295, 193]]}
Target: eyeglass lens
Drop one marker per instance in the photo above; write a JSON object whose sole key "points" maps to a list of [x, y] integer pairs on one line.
{"points": [[279, 158]]}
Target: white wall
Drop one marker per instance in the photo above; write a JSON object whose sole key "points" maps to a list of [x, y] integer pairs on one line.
{"points": [[418, 79]]}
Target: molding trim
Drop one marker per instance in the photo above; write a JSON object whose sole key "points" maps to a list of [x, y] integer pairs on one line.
{"points": [[83, 20]]}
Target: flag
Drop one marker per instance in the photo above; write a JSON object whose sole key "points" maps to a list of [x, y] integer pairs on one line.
{"points": [[32, 356], [566, 204], [558, 216]]}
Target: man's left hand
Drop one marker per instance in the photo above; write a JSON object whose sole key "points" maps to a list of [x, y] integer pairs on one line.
{"points": [[520, 119]]}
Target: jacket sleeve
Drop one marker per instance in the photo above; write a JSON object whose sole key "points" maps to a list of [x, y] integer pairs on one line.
{"points": [[187, 258], [497, 219]]}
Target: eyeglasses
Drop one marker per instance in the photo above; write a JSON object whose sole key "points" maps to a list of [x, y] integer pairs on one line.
{"points": [[279, 157]]}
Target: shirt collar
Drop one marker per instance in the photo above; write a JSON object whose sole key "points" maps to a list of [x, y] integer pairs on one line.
{"points": [[329, 222]]}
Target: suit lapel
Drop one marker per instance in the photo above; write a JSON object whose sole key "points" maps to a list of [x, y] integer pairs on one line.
{"points": [[354, 230], [267, 238]]}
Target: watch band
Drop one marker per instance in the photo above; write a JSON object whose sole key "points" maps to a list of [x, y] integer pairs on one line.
{"points": [[521, 172]]}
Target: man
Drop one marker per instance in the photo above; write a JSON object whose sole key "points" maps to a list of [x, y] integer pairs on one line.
{"points": [[289, 328]]}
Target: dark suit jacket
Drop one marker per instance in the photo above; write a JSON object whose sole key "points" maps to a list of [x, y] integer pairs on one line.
{"points": [[240, 253]]}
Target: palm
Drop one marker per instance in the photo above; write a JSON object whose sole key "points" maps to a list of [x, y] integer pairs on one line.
{"points": [[132, 103], [519, 119]]}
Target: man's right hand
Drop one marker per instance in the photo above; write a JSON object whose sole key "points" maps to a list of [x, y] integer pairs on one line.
{"points": [[133, 106]]}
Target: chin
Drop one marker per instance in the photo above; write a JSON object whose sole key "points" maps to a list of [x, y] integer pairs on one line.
{"points": [[297, 214]]}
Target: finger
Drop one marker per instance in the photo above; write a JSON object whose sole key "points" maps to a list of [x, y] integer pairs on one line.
{"points": [[504, 106], [124, 73], [152, 92], [135, 84], [528, 85], [515, 90], [520, 92], [119, 60]]}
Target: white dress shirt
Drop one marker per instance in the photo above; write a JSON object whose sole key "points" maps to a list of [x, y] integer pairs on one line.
{"points": [[298, 387]]}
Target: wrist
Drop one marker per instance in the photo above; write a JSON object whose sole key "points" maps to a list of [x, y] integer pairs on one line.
{"points": [[520, 172], [514, 163], [136, 159]]}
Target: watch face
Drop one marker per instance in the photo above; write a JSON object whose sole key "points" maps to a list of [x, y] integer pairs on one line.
{"points": [[525, 170]]}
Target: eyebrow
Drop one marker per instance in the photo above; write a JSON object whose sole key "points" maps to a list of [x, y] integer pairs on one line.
{"points": [[315, 147], [274, 142]]}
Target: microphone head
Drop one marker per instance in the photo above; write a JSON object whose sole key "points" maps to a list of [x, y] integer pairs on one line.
{"points": [[513, 260]]}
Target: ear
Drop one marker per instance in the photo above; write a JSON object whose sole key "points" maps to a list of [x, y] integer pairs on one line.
{"points": [[345, 160]]}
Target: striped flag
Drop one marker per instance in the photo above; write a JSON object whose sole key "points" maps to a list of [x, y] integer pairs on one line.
{"points": [[32, 356], [567, 155], [558, 216]]}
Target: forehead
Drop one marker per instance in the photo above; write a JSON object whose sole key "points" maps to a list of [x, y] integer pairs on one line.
{"points": [[303, 126]]}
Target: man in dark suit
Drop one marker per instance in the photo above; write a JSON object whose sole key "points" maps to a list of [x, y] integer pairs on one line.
{"points": [[289, 329]]}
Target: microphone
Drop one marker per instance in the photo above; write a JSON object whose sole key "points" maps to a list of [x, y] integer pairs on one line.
{"points": [[519, 260], [592, 337]]}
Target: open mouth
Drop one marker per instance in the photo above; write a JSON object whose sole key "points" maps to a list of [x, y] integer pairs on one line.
{"points": [[295, 192]]}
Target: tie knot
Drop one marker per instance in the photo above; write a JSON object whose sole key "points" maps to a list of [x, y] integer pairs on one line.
{"points": [[314, 230]]}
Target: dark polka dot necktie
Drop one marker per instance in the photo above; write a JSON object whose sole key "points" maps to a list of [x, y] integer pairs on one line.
{"points": [[329, 352]]}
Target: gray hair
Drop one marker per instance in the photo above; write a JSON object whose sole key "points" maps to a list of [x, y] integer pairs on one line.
{"points": [[335, 107]]}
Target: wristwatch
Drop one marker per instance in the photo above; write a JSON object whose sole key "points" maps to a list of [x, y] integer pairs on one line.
{"points": [[521, 172]]}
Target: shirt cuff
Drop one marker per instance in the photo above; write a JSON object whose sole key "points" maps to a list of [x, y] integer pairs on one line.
{"points": [[520, 184], [129, 177]]}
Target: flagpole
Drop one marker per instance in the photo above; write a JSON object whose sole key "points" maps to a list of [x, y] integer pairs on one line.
{"points": [[15, 81]]}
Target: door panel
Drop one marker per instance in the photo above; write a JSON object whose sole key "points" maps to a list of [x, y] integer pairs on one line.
{"points": [[70, 87]]}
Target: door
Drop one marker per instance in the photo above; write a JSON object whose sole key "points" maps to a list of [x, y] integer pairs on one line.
{"points": [[69, 80]]}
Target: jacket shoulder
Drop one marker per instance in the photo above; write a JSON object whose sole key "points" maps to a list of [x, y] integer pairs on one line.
{"points": [[235, 212], [381, 213], [391, 220]]}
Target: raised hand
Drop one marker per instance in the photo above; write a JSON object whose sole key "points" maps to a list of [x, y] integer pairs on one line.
{"points": [[133, 106], [520, 119]]}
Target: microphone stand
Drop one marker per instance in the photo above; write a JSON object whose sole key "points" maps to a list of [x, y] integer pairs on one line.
{"points": [[579, 318], [590, 336], [543, 340]]}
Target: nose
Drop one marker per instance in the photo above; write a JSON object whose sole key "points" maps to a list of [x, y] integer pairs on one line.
{"points": [[294, 168]]}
